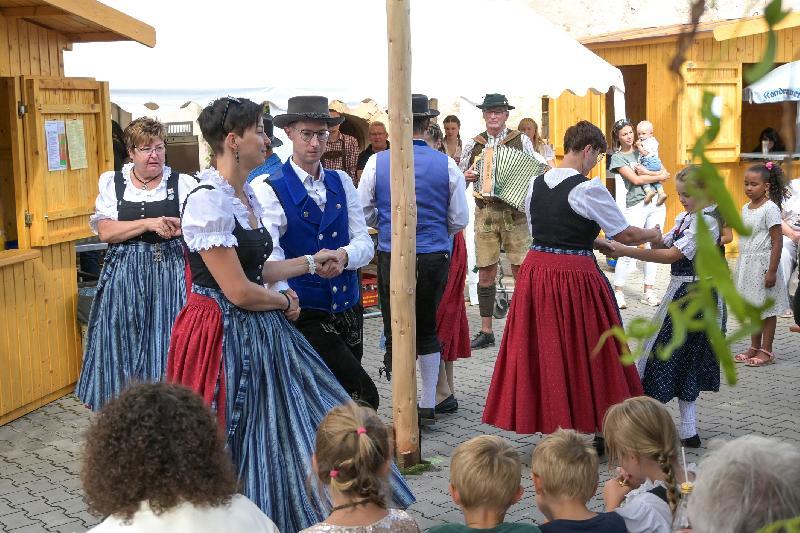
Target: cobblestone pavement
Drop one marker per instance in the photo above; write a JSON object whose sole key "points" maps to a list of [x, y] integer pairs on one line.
{"points": [[40, 453]]}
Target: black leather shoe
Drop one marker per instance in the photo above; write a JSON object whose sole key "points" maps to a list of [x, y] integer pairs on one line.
{"points": [[692, 442], [448, 405], [482, 340], [599, 444], [426, 416]]}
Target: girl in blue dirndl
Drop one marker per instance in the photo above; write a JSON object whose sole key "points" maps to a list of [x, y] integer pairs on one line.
{"points": [[142, 286], [692, 367], [233, 342]]}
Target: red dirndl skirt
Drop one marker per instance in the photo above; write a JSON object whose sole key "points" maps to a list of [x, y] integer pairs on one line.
{"points": [[195, 352], [452, 327], [545, 376]]}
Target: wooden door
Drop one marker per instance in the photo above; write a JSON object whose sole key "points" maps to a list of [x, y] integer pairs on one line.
{"points": [[724, 81], [567, 110], [60, 201]]}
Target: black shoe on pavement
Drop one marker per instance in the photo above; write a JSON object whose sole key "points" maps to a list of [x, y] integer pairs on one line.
{"points": [[482, 340], [448, 405], [692, 442], [426, 416], [599, 444]]}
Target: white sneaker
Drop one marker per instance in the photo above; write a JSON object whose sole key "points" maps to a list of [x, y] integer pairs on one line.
{"points": [[650, 298], [620, 299]]}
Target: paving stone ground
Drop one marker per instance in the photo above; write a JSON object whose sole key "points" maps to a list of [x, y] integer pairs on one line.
{"points": [[40, 453]]}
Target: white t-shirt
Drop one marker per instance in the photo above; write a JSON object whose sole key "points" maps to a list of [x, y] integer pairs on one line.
{"points": [[240, 516]]}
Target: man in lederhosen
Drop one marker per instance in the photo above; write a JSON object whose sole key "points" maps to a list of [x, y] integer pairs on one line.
{"points": [[319, 208], [441, 212], [497, 224]]}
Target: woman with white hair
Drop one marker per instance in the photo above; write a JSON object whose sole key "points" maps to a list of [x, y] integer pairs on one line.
{"points": [[745, 484]]}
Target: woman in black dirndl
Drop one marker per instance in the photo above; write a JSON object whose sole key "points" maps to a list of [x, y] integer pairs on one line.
{"points": [[547, 375]]}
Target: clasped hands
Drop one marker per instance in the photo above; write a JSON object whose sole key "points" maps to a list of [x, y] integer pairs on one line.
{"points": [[330, 263], [615, 249], [165, 227]]}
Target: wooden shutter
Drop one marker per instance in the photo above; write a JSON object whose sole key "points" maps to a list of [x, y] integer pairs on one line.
{"points": [[724, 80], [60, 202]]}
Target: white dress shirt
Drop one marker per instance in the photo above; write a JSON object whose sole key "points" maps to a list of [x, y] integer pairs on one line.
{"points": [[457, 211], [359, 250], [589, 199]]}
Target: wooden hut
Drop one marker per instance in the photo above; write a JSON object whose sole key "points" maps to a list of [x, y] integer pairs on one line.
{"points": [[55, 140], [716, 61]]}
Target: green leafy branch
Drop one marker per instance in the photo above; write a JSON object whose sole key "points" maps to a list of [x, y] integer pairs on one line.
{"points": [[697, 311], [791, 525]]}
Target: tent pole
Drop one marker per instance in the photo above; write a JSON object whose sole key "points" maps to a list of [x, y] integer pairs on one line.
{"points": [[404, 236]]}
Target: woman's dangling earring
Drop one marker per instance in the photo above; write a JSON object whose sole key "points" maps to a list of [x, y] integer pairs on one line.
{"points": [[236, 155]]}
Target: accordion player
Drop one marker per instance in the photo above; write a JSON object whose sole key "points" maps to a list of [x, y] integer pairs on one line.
{"points": [[505, 174]]}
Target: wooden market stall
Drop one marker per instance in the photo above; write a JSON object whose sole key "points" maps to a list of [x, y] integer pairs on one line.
{"points": [[55, 140], [716, 61]]}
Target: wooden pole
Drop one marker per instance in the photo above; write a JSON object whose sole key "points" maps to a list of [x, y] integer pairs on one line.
{"points": [[404, 236]]}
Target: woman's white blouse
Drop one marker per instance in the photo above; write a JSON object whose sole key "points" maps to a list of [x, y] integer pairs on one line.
{"points": [[210, 215], [239, 516], [590, 200], [105, 207], [687, 243]]}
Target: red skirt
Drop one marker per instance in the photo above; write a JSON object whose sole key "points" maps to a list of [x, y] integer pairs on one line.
{"points": [[452, 327], [545, 376], [195, 351]]}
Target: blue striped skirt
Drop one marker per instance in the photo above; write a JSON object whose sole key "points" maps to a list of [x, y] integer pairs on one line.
{"points": [[277, 390], [142, 288]]}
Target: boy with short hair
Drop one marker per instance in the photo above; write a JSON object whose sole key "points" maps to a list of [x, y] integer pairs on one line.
{"points": [[564, 468], [647, 145], [485, 476]]}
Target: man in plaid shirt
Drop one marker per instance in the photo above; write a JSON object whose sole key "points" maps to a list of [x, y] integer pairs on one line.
{"points": [[341, 152]]}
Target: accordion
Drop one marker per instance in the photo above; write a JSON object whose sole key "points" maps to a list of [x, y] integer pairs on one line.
{"points": [[505, 174]]}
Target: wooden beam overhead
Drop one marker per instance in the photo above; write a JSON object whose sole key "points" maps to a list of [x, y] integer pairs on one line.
{"points": [[32, 12], [109, 18], [745, 27]]}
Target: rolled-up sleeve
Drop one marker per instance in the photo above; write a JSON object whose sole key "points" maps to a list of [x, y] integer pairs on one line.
{"points": [[360, 249], [274, 220]]}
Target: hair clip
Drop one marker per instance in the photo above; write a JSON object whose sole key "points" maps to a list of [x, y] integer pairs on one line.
{"points": [[769, 165], [334, 473], [361, 430]]}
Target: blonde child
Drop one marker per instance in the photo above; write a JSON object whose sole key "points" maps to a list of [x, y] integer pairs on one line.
{"points": [[647, 146], [352, 458], [692, 367], [564, 469], [485, 475], [758, 276], [641, 439]]}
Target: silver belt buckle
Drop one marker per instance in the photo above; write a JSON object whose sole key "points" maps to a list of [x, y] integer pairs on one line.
{"points": [[158, 254]]}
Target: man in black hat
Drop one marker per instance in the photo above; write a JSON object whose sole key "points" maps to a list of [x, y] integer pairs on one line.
{"points": [[317, 209], [272, 164], [497, 224], [441, 212]]}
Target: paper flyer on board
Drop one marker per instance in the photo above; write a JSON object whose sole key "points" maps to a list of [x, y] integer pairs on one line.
{"points": [[76, 144], [56, 140]]}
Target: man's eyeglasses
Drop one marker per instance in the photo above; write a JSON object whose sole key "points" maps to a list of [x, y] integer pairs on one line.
{"points": [[147, 150], [321, 135], [227, 105], [600, 156], [621, 123]]}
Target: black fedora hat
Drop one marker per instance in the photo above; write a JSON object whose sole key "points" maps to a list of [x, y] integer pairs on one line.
{"points": [[306, 108], [420, 107], [270, 131], [495, 100]]}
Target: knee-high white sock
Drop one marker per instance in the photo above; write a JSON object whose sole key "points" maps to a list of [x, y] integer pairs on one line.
{"points": [[429, 370], [687, 427]]}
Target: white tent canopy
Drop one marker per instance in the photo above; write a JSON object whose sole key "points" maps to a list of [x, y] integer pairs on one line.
{"points": [[272, 50], [780, 85]]}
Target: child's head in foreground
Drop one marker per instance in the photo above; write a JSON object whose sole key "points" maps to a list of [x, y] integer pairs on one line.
{"points": [[564, 467], [485, 472]]}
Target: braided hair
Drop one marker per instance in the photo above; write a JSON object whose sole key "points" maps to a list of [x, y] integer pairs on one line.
{"points": [[772, 174], [643, 426], [352, 450]]}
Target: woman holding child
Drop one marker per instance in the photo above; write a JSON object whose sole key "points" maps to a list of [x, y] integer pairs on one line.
{"points": [[625, 165]]}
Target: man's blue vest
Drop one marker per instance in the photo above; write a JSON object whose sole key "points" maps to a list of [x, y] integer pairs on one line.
{"points": [[309, 230], [433, 198]]}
